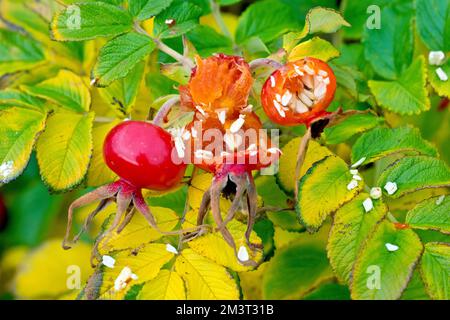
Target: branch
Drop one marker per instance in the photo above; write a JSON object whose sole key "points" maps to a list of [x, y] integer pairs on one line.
{"points": [[166, 49], [164, 110], [215, 10], [303, 148], [264, 62]]}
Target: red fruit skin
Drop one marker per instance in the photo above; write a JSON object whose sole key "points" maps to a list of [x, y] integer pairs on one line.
{"points": [[140, 153], [283, 80]]}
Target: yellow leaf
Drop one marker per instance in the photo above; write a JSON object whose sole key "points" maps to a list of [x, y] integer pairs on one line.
{"points": [[64, 150], [323, 189], [145, 263], [66, 89], [98, 173], [167, 285], [204, 279], [18, 131], [214, 247], [251, 282], [49, 271], [231, 21], [288, 161], [316, 48], [139, 232]]}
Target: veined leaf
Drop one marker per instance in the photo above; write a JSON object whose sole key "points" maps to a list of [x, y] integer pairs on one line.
{"points": [[251, 282], [64, 150], [16, 98], [324, 20], [435, 270], [433, 213], [207, 41], [322, 190], [295, 270], [98, 173], [122, 93], [267, 20], [385, 264], [145, 263], [167, 285], [316, 48], [433, 24], [119, 56], [18, 52], [204, 279], [415, 289], [49, 263], [382, 142], [89, 20], [18, 131], [288, 161], [389, 49], [416, 173], [139, 232], [185, 16], [214, 247], [408, 94], [351, 126], [351, 227], [442, 87], [66, 89], [145, 9]]}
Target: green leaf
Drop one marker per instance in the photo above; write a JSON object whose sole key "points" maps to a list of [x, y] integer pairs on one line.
{"points": [[351, 227], [416, 173], [204, 279], [145, 9], [433, 214], [119, 56], [295, 270], [356, 13], [121, 94], [159, 85], [89, 20], [433, 23], [441, 87], [167, 285], [316, 48], [18, 52], [288, 161], [98, 173], [380, 274], [329, 291], [66, 89], [389, 49], [64, 150], [18, 131], [351, 126], [324, 20], [207, 41], [382, 142], [322, 190], [415, 289], [16, 98], [435, 270], [185, 16], [267, 19], [408, 94]]}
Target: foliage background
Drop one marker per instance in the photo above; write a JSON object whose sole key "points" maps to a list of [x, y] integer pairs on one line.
{"points": [[33, 265]]}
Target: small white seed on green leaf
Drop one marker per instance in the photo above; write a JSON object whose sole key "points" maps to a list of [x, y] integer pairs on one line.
{"points": [[391, 247], [243, 254], [368, 204], [436, 58], [108, 261], [171, 248], [375, 193], [390, 187], [440, 200], [352, 185], [359, 162]]}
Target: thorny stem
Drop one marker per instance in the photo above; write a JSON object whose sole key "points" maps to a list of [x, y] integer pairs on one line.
{"points": [[264, 62], [303, 148], [164, 110], [166, 49]]}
